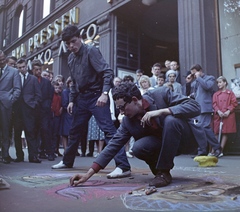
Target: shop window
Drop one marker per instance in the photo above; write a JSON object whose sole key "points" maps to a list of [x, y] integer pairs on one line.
{"points": [[20, 29], [48, 6], [41, 9], [127, 46], [229, 22], [18, 26]]}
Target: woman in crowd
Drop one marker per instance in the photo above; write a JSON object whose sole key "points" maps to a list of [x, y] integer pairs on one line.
{"points": [[224, 103], [145, 84]]}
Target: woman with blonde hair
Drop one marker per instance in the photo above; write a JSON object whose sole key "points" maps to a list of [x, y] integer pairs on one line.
{"points": [[145, 84]]}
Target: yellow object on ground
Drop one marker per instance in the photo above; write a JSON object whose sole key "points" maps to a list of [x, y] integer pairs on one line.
{"points": [[205, 161]]}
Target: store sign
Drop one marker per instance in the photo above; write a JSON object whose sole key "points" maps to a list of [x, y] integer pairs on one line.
{"points": [[47, 34], [44, 57]]}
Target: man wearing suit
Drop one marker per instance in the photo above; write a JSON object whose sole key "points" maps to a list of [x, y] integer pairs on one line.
{"points": [[25, 114], [158, 121], [203, 91], [10, 89], [156, 70], [44, 114]]}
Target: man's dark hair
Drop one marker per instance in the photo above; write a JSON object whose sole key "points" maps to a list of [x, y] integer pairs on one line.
{"points": [[12, 58], [125, 91], [157, 65], [161, 75], [128, 78], [197, 67], [36, 62], [139, 71], [69, 32], [21, 60]]}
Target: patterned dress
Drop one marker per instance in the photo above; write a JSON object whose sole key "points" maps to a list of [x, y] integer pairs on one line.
{"points": [[94, 132]]}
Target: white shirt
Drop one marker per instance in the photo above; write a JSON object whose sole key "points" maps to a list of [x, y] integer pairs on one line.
{"points": [[22, 77]]}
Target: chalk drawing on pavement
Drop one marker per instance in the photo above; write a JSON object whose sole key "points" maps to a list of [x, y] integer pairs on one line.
{"points": [[97, 189], [205, 193], [188, 195]]}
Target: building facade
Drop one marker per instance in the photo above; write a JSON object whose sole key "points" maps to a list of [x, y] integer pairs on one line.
{"points": [[131, 34]]}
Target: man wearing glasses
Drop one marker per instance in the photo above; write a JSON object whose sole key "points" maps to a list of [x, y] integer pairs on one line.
{"points": [[160, 123]]}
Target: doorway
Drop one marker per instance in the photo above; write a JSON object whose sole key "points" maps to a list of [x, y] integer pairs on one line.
{"points": [[156, 27]]}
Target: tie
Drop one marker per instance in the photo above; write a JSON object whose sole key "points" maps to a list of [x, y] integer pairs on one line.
{"points": [[24, 79], [0, 72]]}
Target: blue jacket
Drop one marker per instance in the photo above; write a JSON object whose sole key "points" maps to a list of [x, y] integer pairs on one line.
{"points": [[203, 87]]}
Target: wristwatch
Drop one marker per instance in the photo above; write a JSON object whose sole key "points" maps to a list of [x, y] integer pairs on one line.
{"points": [[105, 92]]}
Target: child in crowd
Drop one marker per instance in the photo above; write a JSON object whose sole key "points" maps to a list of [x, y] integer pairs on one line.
{"points": [[224, 103], [66, 118], [160, 80], [56, 111], [59, 79]]}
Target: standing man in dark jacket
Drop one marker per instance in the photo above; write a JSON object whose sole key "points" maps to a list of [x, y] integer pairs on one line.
{"points": [[10, 89], [25, 114], [92, 80], [44, 114], [159, 121]]}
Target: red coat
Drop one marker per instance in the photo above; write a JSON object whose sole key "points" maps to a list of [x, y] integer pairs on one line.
{"points": [[56, 104], [224, 101]]}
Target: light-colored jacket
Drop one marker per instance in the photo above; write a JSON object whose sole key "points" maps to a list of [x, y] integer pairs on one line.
{"points": [[10, 86]]}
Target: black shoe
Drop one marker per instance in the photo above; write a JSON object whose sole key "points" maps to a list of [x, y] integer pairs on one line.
{"points": [[34, 160], [77, 154], [43, 156], [82, 155], [7, 160], [89, 154], [217, 152], [18, 160], [161, 179], [51, 157]]}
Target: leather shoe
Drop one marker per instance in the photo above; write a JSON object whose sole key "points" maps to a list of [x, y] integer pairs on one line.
{"points": [[43, 156], [18, 160], [161, 179], [7, 160], [51, 157], [34, 160]]}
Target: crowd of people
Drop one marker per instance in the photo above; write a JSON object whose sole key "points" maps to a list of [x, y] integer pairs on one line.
{"points": [[152, 118]]}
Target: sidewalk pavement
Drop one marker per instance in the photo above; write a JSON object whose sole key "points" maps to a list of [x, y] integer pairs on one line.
{"points": [[36, 187]]}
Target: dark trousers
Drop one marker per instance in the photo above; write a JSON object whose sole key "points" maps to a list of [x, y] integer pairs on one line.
{"points": [[44, 130], [205, 121], [55, 132], [5, 117], [25, 119], [159, 153], [85, 107]]}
